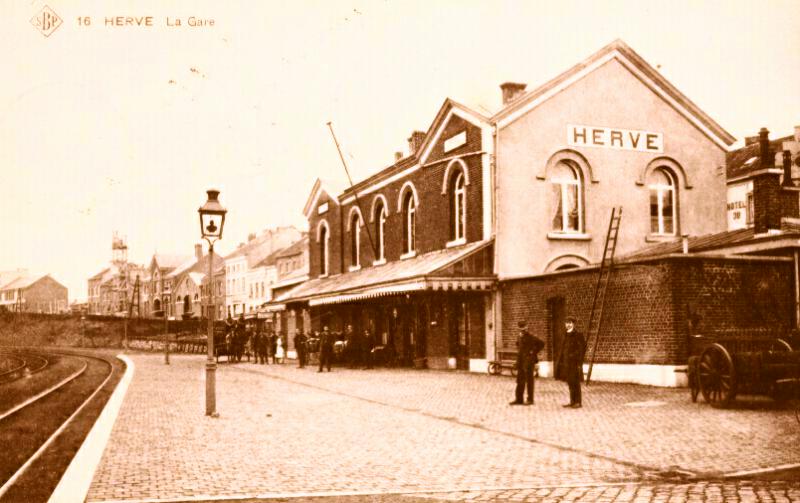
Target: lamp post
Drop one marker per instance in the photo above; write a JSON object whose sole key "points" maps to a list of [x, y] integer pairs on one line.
{"points": [[212, 219]]}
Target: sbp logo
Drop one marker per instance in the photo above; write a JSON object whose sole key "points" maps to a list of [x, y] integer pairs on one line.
{"points": [[46, 21]]}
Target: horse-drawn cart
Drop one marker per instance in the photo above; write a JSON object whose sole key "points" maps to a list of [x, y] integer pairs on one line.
{"points": [[719, 369]]}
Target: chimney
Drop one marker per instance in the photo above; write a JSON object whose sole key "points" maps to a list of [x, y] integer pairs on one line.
{"points": [[251, 236], [787, 169], [797, 133], [511, 90], [767, 160], [415, 141], [398, 156], [198, 251], [750, 140]]}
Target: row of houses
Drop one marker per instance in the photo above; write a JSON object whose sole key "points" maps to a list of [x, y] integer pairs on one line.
{"points": [[21, 291], [495, 217], [178, 286]]}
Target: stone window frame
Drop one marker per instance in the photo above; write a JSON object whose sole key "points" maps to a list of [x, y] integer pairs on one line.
{"points": [[355, 237], [379, 202]]}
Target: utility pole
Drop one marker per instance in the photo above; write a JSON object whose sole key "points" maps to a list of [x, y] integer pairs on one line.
{"points": [[166, 323]]}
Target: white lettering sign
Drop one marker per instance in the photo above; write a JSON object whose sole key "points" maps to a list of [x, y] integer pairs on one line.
{"points": [[618, 139], [455, 141]]}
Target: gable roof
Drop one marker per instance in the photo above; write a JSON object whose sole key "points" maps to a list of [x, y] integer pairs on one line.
{"points": [[450, 106], [170, 261], [295, 248], [331, 187], [7, 277], [23, 281], [634, 63]]}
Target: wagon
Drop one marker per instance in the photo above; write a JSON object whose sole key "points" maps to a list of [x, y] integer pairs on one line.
{"points": [[722, 368], [504, 360]]}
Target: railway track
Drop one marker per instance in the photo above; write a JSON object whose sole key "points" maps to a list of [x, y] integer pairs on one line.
{"points": [[43, 431], [23, 364]]}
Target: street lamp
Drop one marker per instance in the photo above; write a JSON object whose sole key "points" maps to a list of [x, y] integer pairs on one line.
{"points": [[212, 219]]}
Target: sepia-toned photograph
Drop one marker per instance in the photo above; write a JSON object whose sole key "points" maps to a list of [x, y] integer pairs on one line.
{"points": [[378, 251]]}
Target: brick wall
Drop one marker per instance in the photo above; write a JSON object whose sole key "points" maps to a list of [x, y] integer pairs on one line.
{"points": [[332, 217], [652, 308], [432, 213]]}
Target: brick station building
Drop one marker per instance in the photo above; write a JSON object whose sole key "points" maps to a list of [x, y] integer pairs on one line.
{"points": [[495, 219]]}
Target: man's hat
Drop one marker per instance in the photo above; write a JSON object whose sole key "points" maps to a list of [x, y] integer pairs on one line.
{"points": [[570, 319], [522, 324]]}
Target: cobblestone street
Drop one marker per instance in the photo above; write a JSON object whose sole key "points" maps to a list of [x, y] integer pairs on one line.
{"points": [[352, 434]]}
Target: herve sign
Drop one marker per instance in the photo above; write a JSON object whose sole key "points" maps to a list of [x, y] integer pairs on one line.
{"points": [[619, 139]]}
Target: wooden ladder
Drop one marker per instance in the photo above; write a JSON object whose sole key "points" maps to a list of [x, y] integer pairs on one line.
{"points": [[606, 267]]}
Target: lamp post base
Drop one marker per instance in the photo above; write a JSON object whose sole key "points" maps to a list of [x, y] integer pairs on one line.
{"points": [[211, 385]]}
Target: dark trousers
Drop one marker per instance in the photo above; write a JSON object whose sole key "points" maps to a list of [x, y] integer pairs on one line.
{"points": [[524, 380], [325, 360], [574, 391], [301, 357]]}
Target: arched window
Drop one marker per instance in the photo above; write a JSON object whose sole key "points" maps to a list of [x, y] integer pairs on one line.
{"points": [[567, 198], [187, 305], [322, 240], [663, 215], [409, 221], [156, 305], [355, 239], [380, 229], [458, 206]]}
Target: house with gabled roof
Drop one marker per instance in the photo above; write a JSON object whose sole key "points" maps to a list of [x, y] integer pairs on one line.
{"points": [[157, 300], [33, 293]]}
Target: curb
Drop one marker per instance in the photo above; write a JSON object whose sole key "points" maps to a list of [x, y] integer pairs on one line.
{"points": [[79, 474]]}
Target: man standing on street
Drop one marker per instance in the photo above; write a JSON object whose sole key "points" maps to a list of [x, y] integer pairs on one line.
{"points": [[300, 347], [570, 368], [528, 348], [325, 349]]}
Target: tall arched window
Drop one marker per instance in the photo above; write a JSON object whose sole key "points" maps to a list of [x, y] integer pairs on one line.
{"points": [[380, 229], [458, 206], [663, 215], [567, 198], [322, 241], [355, 239], [409, 221]]}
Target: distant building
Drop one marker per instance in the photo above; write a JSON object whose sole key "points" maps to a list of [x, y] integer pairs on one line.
{"points": [[240, 263], [112, 291], [745, 174], [159, 290], [34, 294]]}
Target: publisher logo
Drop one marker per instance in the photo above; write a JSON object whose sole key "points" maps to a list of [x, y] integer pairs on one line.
{"points": [[46, 21]]}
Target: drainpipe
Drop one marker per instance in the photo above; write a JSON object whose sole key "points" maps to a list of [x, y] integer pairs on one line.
{"points": [[497, 311]]}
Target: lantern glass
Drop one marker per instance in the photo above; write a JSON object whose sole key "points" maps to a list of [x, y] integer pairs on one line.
{"points": [[212, 217]]}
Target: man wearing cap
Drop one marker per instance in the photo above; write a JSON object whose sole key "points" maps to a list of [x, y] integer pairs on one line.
{"points": [[528, 348], [570, 368]]}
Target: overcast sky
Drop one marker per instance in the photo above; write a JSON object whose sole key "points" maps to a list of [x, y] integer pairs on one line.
{"points": [[109, 128]]}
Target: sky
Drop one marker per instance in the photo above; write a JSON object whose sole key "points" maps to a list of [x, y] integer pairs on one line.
{"points": [[107, 128]]}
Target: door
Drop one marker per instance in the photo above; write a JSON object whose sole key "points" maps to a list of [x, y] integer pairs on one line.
{"points": [[462, 334], [556, 315]]}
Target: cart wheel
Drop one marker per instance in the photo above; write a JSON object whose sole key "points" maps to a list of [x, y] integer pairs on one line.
{"points": [[691, 370], [514, 370], [780, 345], [494, 368], [717, 376]]}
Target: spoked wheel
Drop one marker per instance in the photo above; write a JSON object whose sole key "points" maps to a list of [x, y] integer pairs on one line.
{"points": [[780, 345], [495, 368], [514, 370], [716, 376]]}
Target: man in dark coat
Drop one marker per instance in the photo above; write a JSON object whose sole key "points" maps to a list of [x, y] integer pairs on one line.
{"points": [[528, 348], [300, 347], [571, 362], [367, 343], [325, 349]]}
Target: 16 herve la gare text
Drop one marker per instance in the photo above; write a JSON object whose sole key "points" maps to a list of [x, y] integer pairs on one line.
{"points": [[148, 21]]}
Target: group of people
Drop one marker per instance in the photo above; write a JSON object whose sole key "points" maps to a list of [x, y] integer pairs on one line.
{"points": [[568, 363], [356, 350], [242, 338]]}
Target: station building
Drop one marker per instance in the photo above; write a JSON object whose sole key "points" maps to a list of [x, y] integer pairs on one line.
{"points": [[500, 218]]}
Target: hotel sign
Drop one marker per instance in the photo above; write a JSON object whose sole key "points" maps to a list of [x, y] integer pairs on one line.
{"points": [[613, 138]]}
